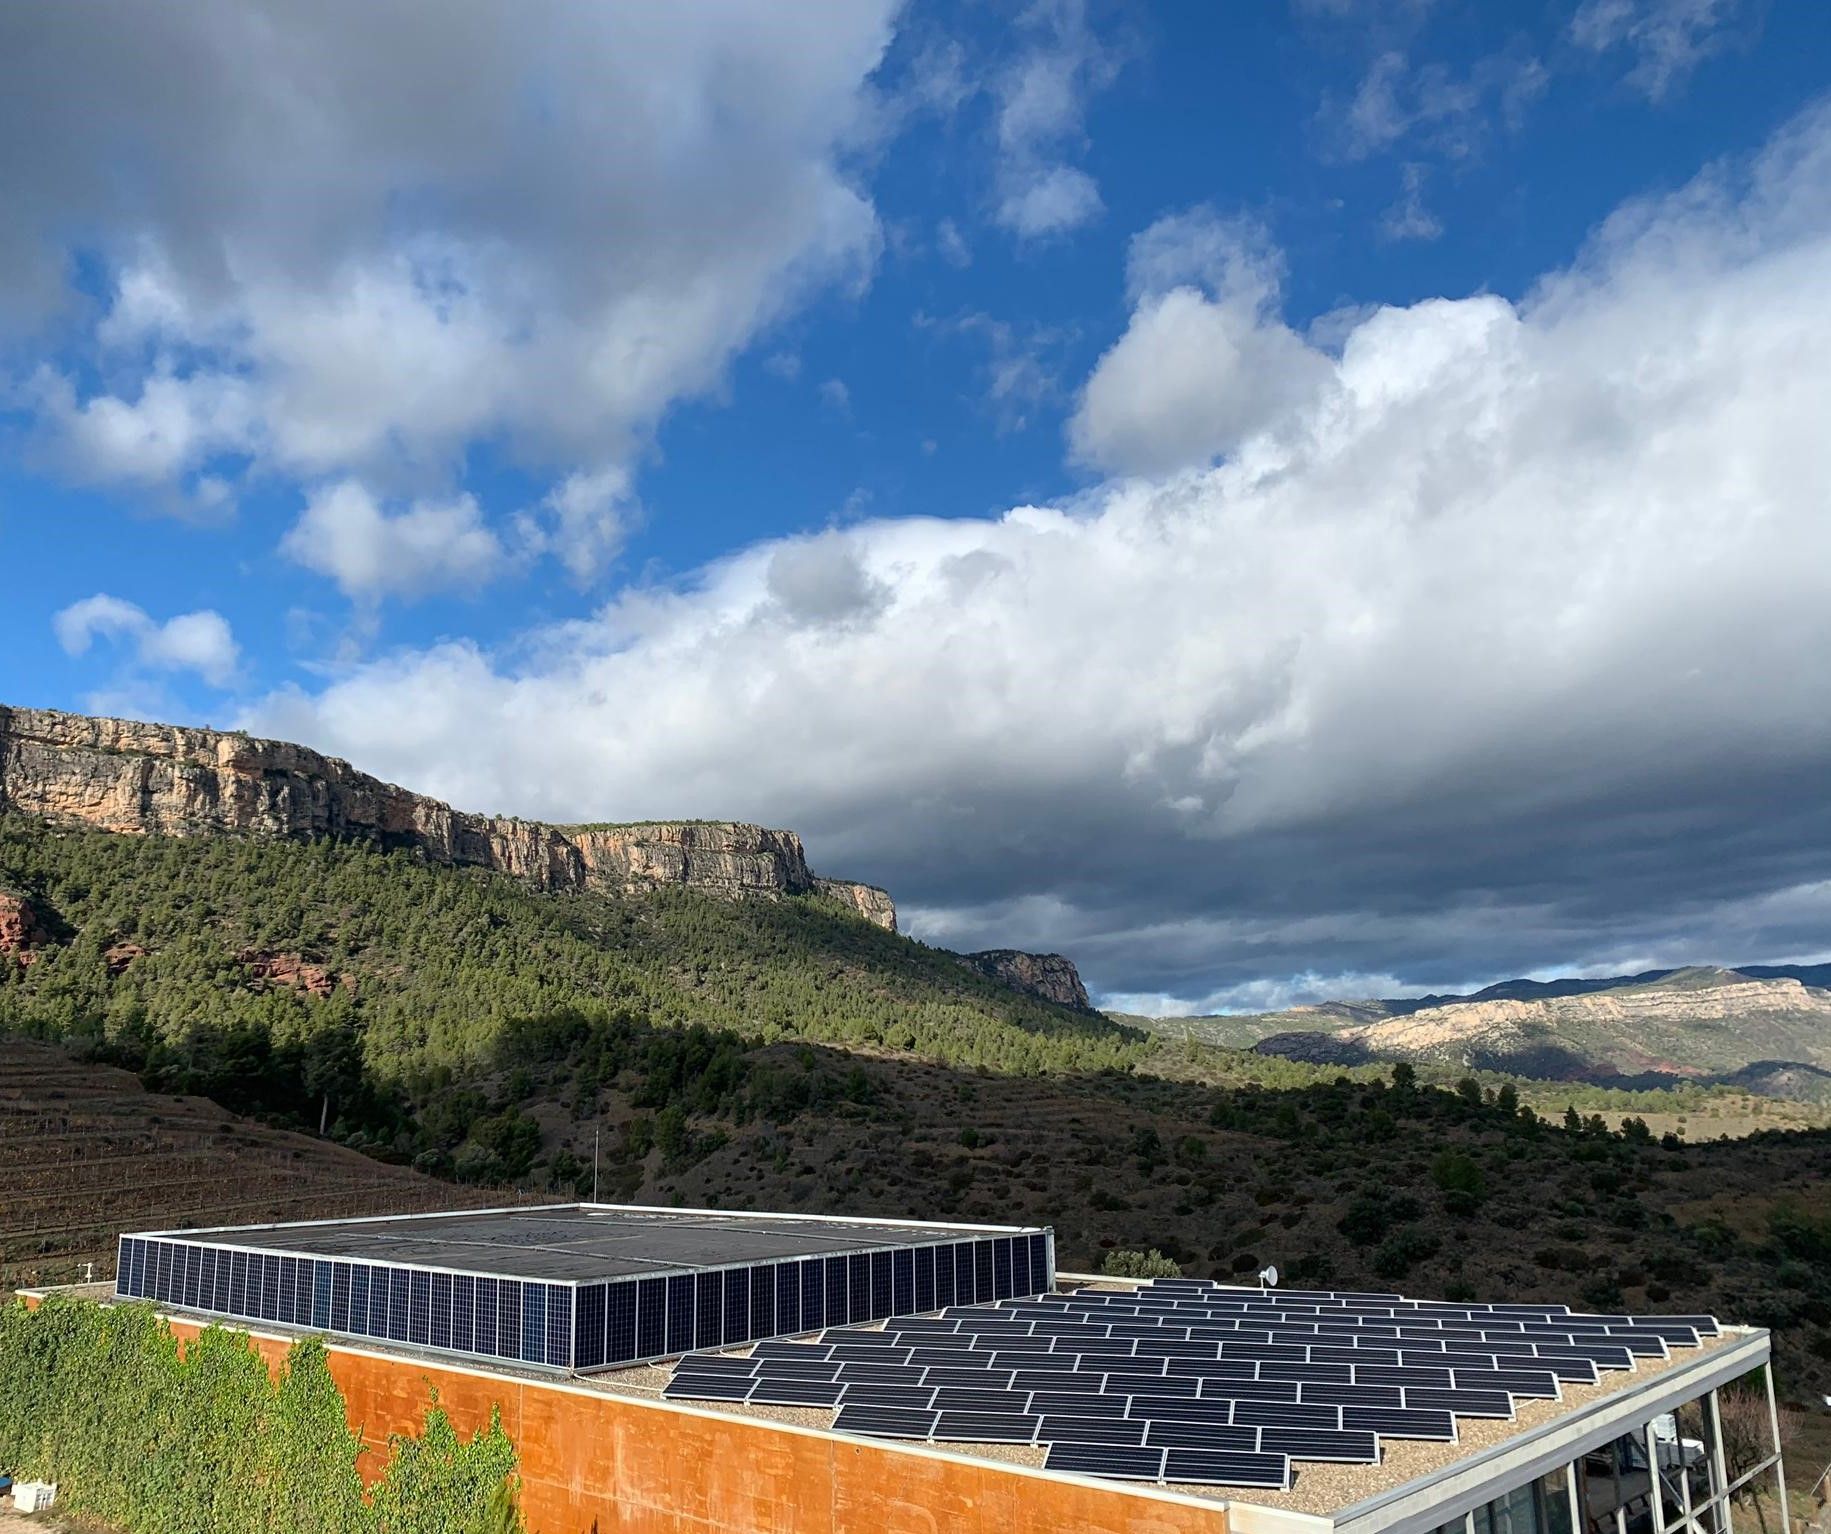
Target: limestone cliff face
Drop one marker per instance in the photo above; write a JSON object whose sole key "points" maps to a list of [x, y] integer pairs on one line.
{"points": [[151, 779], [1047, 976]]}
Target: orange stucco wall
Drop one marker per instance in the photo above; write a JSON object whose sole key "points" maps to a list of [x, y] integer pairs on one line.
{"points": [[593, 1464]]}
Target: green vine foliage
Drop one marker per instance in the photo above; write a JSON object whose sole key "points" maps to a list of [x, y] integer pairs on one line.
{"points": [[148, 1440]]}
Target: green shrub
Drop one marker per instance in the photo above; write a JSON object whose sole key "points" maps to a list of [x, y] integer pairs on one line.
{"points": [[149, 1441], [1151, 1264]]}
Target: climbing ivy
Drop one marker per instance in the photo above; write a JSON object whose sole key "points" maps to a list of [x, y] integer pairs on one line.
{"points": [[152, 1439]]}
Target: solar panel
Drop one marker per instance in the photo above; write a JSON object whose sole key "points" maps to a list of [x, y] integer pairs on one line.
{"points": [[1351, 1395], [1066, 1383], [715, 1363], [984, 1427], [952, 1358], [1078, 1403], [1285, 1414], [966, 1398], [707, 1387], [795, 1368], [1115, 1460], [1342, 1447], [1433, 1426], [1539, 1384], [1100, 1430], [1464, 1403], [776, 1348], [918, 1398], [1152, 1384], [1208, 1468], [1201, 1435], [796, 1392], [880, 1374], [1180, 1409], [884, 1421], [1321, 1374], [987, 1379], [1251, 1390]]}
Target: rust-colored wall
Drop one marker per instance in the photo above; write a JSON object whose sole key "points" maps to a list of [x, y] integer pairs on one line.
{"points": [[593, 1464]]}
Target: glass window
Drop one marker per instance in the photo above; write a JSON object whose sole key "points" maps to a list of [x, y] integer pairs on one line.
{"points": [[651, 1318]]}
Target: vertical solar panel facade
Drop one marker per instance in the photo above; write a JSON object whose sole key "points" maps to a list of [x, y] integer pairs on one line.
{"points": [[523, 1320], [582, 1326], [629, 1320]]}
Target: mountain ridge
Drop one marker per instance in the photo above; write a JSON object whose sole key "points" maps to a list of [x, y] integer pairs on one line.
{"points": [[138, 778]]}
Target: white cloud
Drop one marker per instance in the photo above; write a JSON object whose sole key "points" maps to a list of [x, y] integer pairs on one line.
{"points": [[197, 641], [1205, 363], [371, 552], [1496, 650], [584, 520], [1669, 38], [1041, 96], [835, 395], [1409, 218], [356, 241], [1453, 113], [952, 244]]}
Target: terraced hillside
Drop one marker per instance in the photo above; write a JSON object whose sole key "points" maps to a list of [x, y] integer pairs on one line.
{"points": [[86, 1152]]}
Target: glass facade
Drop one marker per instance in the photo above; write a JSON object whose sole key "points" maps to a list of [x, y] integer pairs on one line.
{"points": [[587, 1326]]}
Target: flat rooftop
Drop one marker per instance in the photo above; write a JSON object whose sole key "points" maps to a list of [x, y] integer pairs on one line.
{"points": [[583, 1243]]}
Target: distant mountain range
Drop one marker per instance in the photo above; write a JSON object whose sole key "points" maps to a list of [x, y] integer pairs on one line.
{"points": [[1763, 1027]]}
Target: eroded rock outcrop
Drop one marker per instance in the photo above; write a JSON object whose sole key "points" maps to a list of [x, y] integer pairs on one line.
{"points": [[22, 928], [151, 779], [1046, 976]]}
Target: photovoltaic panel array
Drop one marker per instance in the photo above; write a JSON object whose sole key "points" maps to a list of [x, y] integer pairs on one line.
{"points": [[578, 1324], [1190, 1382]]}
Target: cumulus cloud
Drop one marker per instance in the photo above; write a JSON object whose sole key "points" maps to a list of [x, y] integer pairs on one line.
{"points": [[371, 552], [1495, 653], [1668, 38], [1041, 97], [197, 641], [345, 240], [1205, 362]]}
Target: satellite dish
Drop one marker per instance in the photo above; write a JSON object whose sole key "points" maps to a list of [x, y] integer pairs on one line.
{"points": [[1268, 1278]]}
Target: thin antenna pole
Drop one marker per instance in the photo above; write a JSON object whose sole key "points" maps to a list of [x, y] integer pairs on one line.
{"points": [[595, 1135]]}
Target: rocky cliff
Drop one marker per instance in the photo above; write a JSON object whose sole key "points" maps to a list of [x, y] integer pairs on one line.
{"points": [[1047, 976], [151, 779]]}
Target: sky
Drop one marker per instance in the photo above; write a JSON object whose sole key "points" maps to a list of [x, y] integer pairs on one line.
{"points": [[1275, 500]]}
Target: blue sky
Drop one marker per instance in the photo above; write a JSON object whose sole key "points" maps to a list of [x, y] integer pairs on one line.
{"points": [[638, 431]]}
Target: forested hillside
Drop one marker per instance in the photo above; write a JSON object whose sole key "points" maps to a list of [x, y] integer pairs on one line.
{"points": [[299, 970]]}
